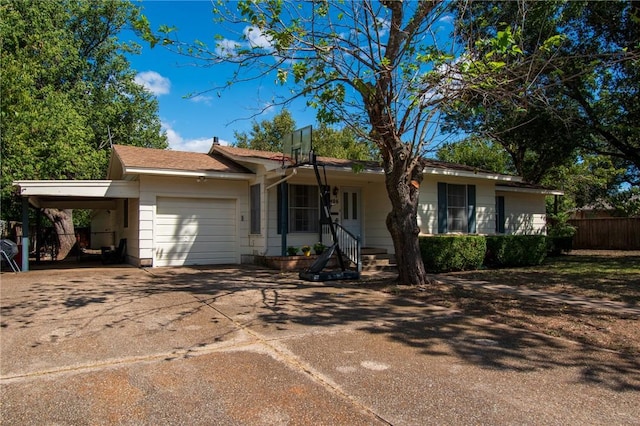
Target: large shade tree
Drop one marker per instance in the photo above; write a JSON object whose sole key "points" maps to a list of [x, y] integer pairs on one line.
{"points": [[564, 81], [358, 63], [267, 135], [68, 93]]}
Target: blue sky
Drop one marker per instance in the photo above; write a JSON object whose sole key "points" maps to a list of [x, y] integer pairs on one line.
{"points": [[190, 111], [191, 123]]}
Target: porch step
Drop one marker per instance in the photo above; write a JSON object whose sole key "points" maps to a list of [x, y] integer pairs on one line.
{"points": [[372, 251], [376, 259]]}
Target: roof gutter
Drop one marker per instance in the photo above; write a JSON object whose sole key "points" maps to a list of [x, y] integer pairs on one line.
{"points": [[284, 179], [542, 191], [187, 173]]}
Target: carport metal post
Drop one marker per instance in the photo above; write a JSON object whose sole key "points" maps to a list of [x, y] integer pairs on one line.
{"points": [[25, 234]]}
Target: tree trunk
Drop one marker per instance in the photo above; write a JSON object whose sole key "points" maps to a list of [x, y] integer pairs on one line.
{"points": [[403, 188], [62, 221]]}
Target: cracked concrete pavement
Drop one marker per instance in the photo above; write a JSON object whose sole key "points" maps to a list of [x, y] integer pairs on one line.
{"points": [[247, 346]]}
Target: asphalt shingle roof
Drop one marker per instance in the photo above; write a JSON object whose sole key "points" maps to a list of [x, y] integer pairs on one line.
{"points": [[217, 160], [150, 158], [339, 162]]}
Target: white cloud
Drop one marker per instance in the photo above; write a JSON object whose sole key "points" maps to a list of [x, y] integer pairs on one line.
{"points": [[153, 82], [178, 143], [201, 99], [447, 19], [256, 38]]}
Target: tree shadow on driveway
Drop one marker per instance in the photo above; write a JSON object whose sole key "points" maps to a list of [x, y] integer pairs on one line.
{"points": [[271, 303]]}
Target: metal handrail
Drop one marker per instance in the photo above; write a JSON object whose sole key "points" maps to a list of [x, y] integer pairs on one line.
{"points": [[349, 244]]}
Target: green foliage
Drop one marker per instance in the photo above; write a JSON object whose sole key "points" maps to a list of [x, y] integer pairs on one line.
{"points": [[595, 178], [267, 135], [558, 245], [327, 141], [319, 248], [515, 250], [559, 234], [67, 92], [477, 152], [563, 83], [452, 253], [626, 203], [559, 226], [342, 143]]}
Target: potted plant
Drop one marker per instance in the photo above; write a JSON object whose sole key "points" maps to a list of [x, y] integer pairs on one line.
{"points": [[306, 250], [319, 248], [292, 251]]}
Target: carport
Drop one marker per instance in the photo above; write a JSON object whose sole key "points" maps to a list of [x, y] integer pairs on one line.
{"points": [[69, 194]]}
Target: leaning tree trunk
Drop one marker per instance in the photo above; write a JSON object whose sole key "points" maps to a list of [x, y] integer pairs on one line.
{"points": [[403, 188], [62, 221]]}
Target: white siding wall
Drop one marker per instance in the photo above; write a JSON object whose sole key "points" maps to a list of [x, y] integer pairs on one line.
{"points": [[132, 232], [485, 208], [146, 215], [103, 228], [428, 206], [524, 213], [152, 187], [258, 242]]}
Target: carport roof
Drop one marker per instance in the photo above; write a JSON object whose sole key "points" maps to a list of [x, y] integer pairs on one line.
{"points": [[76, 194]]}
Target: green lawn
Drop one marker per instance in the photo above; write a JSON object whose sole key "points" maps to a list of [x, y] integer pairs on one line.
{"points": [[612, 276]]}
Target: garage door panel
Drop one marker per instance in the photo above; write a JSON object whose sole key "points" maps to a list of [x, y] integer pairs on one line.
{"points": [[175, 210], [194, 223], [195, 231], [191, 239], [211, 232]]}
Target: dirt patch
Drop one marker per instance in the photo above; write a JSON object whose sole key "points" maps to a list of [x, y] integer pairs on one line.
{"points": [[610, 276]]}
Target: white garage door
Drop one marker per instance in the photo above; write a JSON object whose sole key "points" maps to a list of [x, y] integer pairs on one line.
{"points": [[192, 231]]}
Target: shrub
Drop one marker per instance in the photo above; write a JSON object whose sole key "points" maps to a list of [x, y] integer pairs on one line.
{"points": [[558, 245], [452, 252], [515, 250], [559, 235]]}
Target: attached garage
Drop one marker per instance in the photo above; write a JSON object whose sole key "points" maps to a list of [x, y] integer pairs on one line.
{"points": [[192, 231]]}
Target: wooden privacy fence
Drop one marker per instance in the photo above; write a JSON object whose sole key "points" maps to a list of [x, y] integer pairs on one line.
{"points": [[616, 233]]}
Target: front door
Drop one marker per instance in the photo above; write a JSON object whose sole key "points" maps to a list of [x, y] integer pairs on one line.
{"points": [[351, 210]]}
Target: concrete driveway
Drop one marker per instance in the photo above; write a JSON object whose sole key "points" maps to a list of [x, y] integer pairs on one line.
{"points": [[244, 346]]}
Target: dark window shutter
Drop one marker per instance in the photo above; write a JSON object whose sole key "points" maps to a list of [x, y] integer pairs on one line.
{"points": [[442, 208], [500, 219], [471, 208], [283, 202]]}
